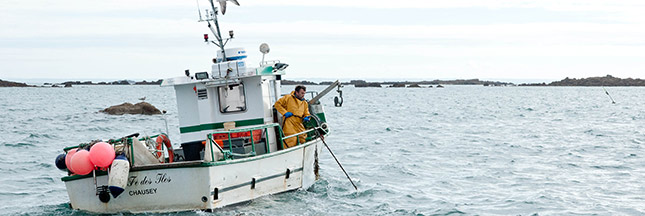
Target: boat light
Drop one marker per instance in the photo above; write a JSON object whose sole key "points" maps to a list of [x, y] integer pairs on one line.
{"points": [[280, 66], [205, 37], [230, 33]]}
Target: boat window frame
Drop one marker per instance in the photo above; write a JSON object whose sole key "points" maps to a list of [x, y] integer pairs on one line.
{"points": [[219, 98]]}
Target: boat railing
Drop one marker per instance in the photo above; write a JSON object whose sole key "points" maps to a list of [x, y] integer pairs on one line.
{"points": [[319, 126], [116, 141], [228, 153], [297, 135]]}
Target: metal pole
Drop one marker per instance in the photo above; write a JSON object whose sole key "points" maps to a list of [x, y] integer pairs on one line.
{"points": [[219, 35], [612, 99], [338, 162]]}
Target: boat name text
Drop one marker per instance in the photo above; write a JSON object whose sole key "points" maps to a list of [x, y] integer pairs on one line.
{"points": [[160, 178], [143, 192]]}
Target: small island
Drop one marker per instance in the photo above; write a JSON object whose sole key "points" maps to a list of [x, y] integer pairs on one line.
{"points": [[608, 80], [403, 84], [118, 82], [4, 83]]}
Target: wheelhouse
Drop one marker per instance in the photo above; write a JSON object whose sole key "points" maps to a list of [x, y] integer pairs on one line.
{"points": [[232, 98]]}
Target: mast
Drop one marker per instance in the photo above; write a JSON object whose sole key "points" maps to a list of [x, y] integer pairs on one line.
{"points": [[216, 31]]}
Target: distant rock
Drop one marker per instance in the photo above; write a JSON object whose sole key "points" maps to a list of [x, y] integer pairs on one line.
{"points": [[448, 82], [128, 108], [158, 82], [119, 82], [402, 84], [533, 84], [303, 82], [4, 83], [599, 81], [362, 85], [355, 82], [122, 82], [414, 86], [593, 81]]}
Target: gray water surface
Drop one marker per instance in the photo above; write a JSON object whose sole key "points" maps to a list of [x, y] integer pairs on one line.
{"points": [[461, 150]]}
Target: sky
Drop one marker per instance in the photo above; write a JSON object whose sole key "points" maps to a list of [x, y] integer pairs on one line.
{"points": [[507, 40]]}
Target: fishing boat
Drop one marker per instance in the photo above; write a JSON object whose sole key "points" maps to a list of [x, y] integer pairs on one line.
{"points": [[233, 146]]}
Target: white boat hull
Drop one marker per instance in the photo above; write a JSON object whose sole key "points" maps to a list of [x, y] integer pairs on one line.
{"points": [[202, 185]]}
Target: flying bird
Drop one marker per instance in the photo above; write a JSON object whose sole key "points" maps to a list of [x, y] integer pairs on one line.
{"points": [[222, 4]]}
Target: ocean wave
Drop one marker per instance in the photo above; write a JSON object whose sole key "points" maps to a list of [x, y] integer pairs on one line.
{"points": [[611, 167], [461, 151], [19, 145]]}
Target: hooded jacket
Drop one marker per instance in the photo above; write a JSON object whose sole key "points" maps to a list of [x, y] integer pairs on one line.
{"points": [[293, 124]]}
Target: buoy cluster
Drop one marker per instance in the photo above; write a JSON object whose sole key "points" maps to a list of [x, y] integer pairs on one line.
{"points": [[80, 161]]}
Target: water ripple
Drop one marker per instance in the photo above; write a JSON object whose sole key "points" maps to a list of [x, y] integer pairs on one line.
{"points": [[461, 150]]}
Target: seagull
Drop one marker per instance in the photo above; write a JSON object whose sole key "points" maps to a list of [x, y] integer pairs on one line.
{"points": [[222, 4]]}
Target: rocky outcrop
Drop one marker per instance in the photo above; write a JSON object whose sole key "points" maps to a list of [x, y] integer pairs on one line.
{"points": [[293, 82], [158, 82], [363, 85], [119, 82], [128, 108], [599, 81], [4, 83], [533, 84], [593, 81], [401, 84]]}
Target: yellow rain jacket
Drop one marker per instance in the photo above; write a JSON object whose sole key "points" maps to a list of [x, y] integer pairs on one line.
{"points": [[293, 124]]}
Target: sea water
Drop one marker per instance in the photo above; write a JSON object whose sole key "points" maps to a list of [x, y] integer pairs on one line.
{"points": [[460, 150]]}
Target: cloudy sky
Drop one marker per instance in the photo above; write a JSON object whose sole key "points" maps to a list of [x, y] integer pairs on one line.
{"points": [[328, 39]]}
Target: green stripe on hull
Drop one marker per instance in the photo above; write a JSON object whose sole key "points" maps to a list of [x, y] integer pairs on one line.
{"points": [[219, 125], [321, 116]]}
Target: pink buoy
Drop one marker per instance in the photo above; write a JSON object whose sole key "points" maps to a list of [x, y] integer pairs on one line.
{"points": [[102, 154], [68, 159], [82, 163]]}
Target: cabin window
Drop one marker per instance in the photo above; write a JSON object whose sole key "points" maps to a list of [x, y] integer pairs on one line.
{"points": [[231, 98]]}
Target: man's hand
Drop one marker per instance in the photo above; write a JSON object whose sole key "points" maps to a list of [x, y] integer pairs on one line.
{"points": [[288, 114], [307, 118]]}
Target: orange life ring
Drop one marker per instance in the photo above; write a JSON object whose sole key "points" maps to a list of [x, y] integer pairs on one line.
{"points": [[163, 140]]}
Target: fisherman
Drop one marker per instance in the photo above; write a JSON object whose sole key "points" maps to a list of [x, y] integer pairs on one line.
{"points": [[295, 110]]}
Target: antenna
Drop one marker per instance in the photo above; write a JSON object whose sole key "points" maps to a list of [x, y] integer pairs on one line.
{"points": [[264, 49], [212, 16], [199, 11]]}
